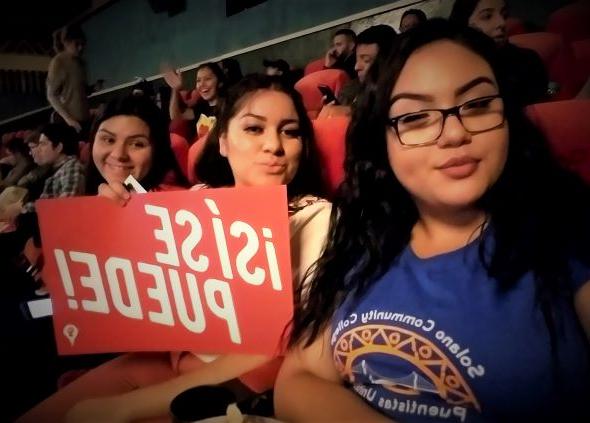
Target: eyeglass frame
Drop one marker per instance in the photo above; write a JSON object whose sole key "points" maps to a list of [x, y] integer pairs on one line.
{"points": [[455, 110]]}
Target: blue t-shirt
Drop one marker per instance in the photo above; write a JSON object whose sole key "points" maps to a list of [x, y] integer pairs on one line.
{"points": [[435, 340]]}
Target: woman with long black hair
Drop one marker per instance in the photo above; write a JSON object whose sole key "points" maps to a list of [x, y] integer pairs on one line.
{"points": [[455, 285]]}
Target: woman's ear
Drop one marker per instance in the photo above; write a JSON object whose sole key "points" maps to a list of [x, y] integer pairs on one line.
{"points": [[223, 145]]}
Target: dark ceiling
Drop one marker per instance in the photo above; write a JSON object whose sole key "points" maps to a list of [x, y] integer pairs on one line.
{"points": [[33, 21]]}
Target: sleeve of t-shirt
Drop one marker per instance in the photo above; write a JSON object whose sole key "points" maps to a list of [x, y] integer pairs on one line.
{"points": [[580, 274]]}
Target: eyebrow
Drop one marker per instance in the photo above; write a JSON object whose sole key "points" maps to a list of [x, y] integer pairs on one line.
{"points": [[459, 91], [263, 118], [487, 9], [130, 136], [474, 83]]}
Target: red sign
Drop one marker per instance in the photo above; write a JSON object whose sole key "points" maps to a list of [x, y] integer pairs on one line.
{"points": [[205, 271]]}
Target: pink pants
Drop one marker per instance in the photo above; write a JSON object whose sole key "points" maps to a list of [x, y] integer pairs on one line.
{"points": [[134, 371], [120, 375]]}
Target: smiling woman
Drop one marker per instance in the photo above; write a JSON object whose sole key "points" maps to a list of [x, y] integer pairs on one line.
{"points": [[126, 138]]}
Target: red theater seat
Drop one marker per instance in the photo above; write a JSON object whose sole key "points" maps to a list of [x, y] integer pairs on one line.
{"points": [[515, 26], [558, 58], [566, 125], [180, 148], [308, 88], [316, 65], [581, 50], [330, 137], [189, 97], [194, 154], [571, 21], [84, 151]]}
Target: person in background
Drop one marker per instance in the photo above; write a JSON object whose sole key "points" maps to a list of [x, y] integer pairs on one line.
{"points": [[58, 148], [210, 86], [263, 137], [455, 285], [232, 71], [411, 18], [34, 180], [22, 163], [279, 68], [375, 41], [67, 81], [524, 68], [341, 54], [55, 153]]}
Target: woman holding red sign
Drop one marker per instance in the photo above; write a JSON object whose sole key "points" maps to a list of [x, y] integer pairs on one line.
{"points": [[263, 137], [126, 139]]}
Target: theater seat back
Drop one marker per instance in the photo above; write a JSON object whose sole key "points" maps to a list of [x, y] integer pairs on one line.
{"points": [[315, 66], [566, 125], [558, 57], [571, 21], [194, 154], [330, 137], [308, 88]]}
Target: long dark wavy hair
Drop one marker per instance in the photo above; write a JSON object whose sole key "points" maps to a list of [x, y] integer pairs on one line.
{"points": [[163, 159], [214, 170], [538, 213]]}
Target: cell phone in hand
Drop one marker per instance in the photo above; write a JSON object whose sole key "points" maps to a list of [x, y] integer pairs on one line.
{"points": [[328, 94]]}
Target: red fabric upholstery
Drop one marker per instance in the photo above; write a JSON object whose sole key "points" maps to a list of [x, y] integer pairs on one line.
{"points": [[189, 97], [194, 154], [558, 58], [581, 50], [571, 21], [308, 87], [180, 127], [515, 26], [180, 148], [316, 65], [84, 151], [566, 125], [330, 137]]}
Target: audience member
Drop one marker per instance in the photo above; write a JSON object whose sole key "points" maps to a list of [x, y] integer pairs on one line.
{"points": [[57, 147], [280, 68], [66, 79], [342, 55], [232, 70], [411, 18], [375, 41], [21, 162], [276, 67], [524, 68], [210, 86], [34, 180], [261, 121], [456, 276]]}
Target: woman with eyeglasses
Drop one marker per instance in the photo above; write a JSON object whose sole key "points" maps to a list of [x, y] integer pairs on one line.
{"points": [[455, 285]]}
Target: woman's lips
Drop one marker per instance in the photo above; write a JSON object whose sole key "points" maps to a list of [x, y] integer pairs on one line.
{"points": [[273, 168], [459, 167]]}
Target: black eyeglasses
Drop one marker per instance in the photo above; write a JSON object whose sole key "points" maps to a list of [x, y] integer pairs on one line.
{"points": [[426, 126]]}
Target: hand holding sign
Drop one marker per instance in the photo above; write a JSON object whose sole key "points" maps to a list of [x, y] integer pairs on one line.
{"points": [[191, 270]]}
